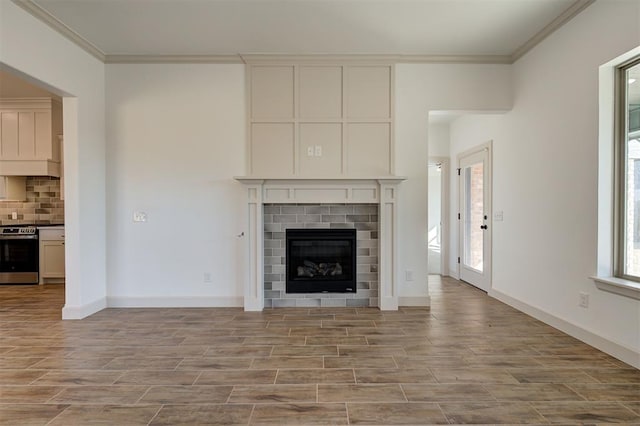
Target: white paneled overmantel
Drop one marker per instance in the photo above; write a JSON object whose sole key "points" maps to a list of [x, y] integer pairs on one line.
{"points": [[381, 190], [320, 118]]}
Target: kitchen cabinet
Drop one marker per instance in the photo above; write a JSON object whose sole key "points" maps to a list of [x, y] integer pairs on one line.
{"points": [[52, 255], [29, 143]]}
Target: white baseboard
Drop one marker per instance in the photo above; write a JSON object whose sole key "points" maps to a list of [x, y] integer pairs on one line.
{"points": [[454, 274], [83, 311], [388, 303], [614, 349], [414, 301], [174, 302]]}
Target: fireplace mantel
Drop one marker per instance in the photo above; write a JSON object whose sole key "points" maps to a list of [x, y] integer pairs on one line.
{"points": [[381, 190]]}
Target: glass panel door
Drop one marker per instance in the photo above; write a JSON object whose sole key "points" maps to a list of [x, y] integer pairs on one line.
{"points": [[474, 216]]}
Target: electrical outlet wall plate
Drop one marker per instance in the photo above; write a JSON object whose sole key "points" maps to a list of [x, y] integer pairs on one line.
{"points": [[584, 300]]}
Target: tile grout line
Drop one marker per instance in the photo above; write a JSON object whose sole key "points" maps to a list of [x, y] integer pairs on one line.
{"points": [[253, 409], [143, 394], [530, 404], [156, 414]]}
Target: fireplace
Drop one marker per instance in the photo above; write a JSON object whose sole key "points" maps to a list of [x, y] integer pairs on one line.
{"points": [[267, 200], [321, 260]]}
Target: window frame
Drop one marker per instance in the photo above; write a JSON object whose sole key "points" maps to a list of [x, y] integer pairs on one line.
{"points": [[621, 120]]}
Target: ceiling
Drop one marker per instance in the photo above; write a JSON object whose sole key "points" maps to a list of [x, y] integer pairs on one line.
{"points": [[372, 27]]}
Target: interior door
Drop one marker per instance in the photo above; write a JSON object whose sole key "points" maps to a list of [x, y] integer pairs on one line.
{"points": [[474, 168]]}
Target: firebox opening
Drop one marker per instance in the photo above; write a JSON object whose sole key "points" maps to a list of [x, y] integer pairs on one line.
{"points": [[321, 260]]}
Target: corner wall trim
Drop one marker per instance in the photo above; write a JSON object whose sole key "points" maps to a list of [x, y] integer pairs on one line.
{"points": [[173, 59], [423, 301], [83, 311], [614, 349], [174, 302], [42, 14], [570, 13], [45, 16]]}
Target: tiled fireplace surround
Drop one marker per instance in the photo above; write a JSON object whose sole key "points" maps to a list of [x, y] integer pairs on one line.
{"points": [[266, 195], [280, 217]]}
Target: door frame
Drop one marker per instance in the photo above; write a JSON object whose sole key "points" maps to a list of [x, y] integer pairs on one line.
{"points": [[488, 235], [444, 213]]}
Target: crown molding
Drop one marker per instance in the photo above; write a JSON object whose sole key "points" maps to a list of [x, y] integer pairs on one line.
{"points": [[570, 13], [453, 59], [173, 59], [262, 58], [38, 12]]}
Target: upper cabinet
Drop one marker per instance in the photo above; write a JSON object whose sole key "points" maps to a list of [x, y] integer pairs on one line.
{"points": [[29, 143], [320, 120]]}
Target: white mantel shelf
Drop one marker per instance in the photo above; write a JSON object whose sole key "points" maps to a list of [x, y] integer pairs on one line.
{"points": [[386, 178], [381, 190]]}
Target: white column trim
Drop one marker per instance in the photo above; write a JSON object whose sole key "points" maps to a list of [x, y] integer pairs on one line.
{"points": [[381, 190], [388, 245], [254, 282]]}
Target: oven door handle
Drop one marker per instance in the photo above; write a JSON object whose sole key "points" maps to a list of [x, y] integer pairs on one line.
{"points": [[18, 237]]}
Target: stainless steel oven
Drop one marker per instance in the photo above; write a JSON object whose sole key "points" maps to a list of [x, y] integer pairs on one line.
{"points": [[19, 255]]}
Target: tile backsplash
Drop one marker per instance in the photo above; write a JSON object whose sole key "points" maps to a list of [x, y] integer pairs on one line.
{"points": [[42, 207]]}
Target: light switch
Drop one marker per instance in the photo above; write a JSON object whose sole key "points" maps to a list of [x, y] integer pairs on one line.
{"points": [[139, 217], [310, 151], [318, 150], [14, 215]]}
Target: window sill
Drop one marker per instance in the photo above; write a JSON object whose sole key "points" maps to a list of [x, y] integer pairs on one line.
{"points": [[618, 286]]}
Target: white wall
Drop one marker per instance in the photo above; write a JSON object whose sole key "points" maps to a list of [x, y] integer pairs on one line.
{"points": [[438, 139], [421, 88], [31, 47], [545, 179], [176, 137]]}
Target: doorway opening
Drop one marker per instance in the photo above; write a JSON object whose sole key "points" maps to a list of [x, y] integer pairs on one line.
{"points": [[437, 216], [474, 216], [33, 116]]}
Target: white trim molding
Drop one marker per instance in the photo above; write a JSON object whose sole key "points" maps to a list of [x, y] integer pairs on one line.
{"points": [[379, 190], [42, 14], [370, 59], [174, 302], [83, 311], [618, 286], [235, 58], [173, 59], [610, 347], [415, 301], [569, 13]]}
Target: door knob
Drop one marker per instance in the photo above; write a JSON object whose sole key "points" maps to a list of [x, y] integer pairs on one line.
{"points": [[483, 227]]}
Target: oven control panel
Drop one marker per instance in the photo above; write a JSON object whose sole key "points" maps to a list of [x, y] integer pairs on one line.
{"points": [[23, 230]]}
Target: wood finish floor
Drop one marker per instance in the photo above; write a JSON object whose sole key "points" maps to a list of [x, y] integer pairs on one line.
{"points": [[467, 359]]}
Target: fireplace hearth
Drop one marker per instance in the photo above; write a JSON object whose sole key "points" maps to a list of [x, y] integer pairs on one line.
{"points": [[321, 260]]}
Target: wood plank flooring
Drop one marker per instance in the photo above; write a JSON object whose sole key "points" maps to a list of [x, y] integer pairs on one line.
{"points": [[467, 359]]}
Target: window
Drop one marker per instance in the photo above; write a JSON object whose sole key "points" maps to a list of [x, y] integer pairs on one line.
{"points": [[618, 263], [628, 171]]}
